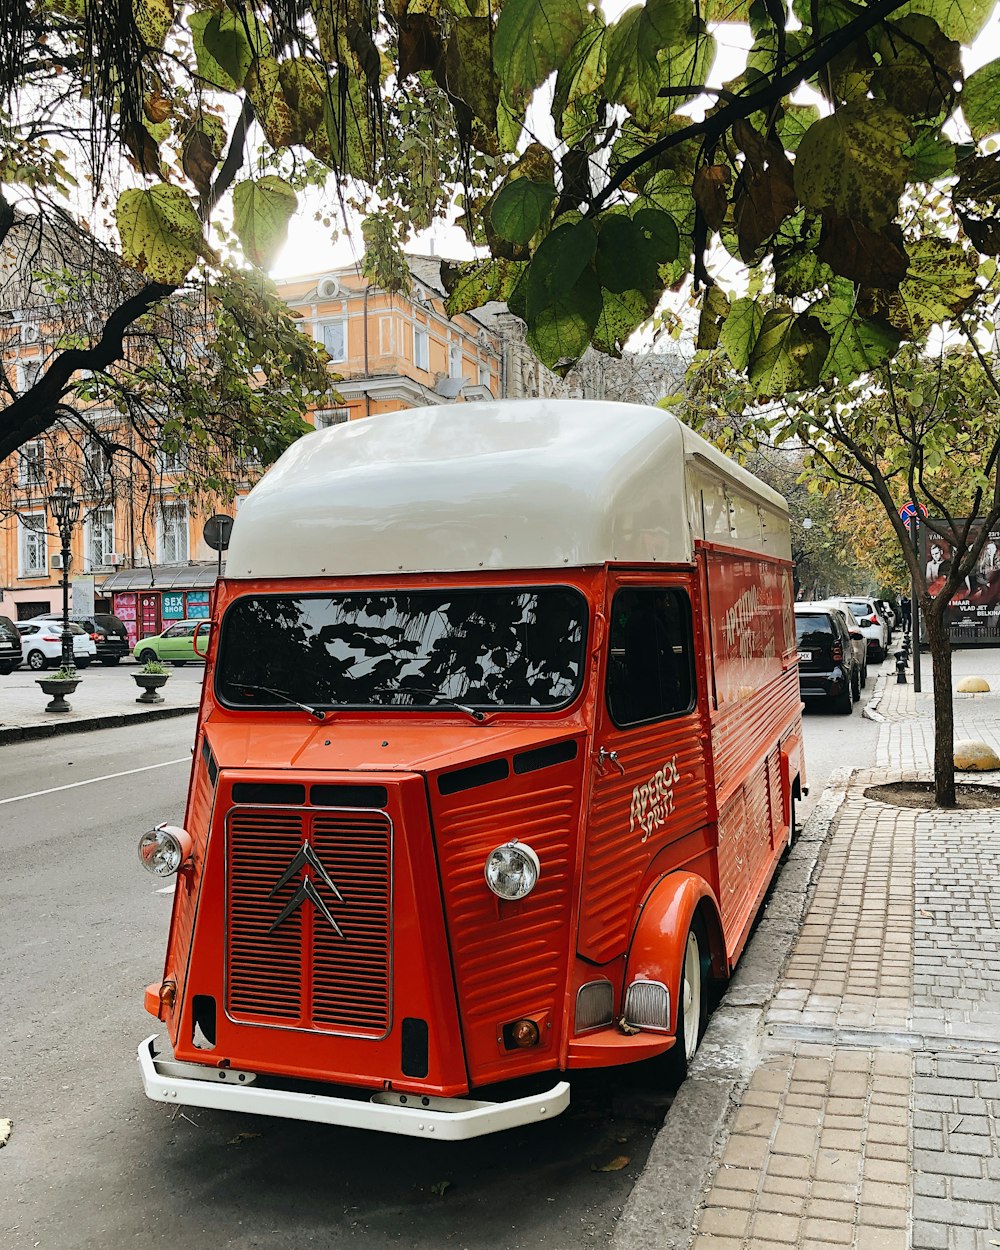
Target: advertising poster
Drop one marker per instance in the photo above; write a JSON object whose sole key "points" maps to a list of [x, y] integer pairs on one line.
{"points": [[974, 612]]}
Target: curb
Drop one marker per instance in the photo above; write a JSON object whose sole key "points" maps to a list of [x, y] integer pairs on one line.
{"points": [[870, 710], [660, 1210], [114, 720]]}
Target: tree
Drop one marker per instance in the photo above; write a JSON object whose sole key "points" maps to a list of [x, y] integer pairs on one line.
{"points": [[223, 108], [922, 428], [150, 157]]}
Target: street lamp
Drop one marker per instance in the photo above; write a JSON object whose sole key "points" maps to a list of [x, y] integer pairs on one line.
{"points": [[64, 508]]}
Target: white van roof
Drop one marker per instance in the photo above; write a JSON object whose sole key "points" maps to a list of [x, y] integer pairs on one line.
{"points": [[513, 484]]}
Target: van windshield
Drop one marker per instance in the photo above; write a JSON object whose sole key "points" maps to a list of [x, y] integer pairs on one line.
{"points": [[485, 648]]}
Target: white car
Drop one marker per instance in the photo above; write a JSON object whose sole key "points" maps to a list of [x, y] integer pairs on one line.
{"points": [[872, 624], [41, 644], [858, 641]]}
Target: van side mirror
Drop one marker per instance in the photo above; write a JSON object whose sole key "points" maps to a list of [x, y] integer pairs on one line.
{"points": [[856, 634]]}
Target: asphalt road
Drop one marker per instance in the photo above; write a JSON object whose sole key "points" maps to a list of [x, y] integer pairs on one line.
{"points": [[91, 1163]]}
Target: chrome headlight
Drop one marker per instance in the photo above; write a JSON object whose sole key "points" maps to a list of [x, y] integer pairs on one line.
{"points": [[512, 870], [162, 850]]}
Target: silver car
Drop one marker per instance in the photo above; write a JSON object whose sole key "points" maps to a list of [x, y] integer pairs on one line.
{"points": [[859, 642], [873, 625]]}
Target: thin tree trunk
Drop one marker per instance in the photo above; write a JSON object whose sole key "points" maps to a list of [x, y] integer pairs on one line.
{"points": [[939, 642]]}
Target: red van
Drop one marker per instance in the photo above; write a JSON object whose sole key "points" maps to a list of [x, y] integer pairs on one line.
{"points": [[497, 754]]}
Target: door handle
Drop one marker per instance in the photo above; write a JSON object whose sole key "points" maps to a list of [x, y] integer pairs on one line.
{"points": [[609, 757]]}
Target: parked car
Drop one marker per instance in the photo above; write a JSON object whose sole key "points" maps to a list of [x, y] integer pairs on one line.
{"points": [[176, 644], [108, 633], [828, 667], [886, 610], [859, 643], [10, 646], [873, 625], [41, 644]]}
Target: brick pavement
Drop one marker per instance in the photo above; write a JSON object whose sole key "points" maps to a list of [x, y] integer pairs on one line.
{"points": [[872, 1120]]}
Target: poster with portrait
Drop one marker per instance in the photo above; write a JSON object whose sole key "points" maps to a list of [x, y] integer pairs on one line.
{"points": [[974, 611]]}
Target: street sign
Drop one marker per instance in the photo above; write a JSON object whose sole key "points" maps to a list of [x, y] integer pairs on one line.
{"points": [[217, 531], [908, 512]]}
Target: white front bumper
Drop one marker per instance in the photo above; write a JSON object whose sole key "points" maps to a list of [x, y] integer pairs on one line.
{"points": [[385, 1111]]}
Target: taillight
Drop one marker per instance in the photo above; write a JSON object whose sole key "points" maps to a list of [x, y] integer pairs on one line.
{"points": [[837, 653], [51, 638], [873, 620]]}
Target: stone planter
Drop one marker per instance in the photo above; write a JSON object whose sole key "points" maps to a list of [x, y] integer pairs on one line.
{"points": [[57, 688], [150, 683]]}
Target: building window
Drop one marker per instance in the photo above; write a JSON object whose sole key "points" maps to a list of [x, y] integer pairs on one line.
{"points": [[455, 360], [31, 465], [171, 461], [173, 534], [30, 369], [331, 416], [386, 336], [335, 338], [99, 535], [98, 462], [33, 556], [421, 349]]}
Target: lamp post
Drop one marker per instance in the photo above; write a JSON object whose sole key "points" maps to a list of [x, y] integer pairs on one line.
{"points": [[64, 508]]}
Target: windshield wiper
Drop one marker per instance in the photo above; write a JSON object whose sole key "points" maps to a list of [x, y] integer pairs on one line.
{"points": [[280, 694], [440, 700]]}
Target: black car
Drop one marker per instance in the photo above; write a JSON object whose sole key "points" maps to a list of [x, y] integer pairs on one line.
{"points": [[108, 632], [10, 645], [828, 666]]}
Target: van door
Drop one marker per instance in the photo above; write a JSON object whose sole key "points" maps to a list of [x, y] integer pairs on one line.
{"points": [[649, 795]]}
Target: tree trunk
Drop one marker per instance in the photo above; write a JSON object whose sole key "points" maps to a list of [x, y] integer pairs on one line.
{"points": [[939, 643]]}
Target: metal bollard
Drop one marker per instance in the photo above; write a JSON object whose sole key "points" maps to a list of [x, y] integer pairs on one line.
{"points": [[900, 669]]}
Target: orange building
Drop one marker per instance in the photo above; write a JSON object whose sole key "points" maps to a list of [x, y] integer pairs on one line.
{"points": [[146, 558]]}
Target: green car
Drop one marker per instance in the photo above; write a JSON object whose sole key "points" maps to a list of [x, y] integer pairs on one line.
{"points": [[176, 644]]}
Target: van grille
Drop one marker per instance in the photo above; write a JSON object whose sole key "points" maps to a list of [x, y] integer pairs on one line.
{"points": [[299, 955]]}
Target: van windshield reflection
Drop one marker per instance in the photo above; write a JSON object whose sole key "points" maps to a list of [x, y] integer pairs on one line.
{"points": [[500, 647]]}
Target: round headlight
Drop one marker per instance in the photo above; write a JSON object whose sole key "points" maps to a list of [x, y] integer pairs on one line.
{"points": [[162, 850], [512, 870]]}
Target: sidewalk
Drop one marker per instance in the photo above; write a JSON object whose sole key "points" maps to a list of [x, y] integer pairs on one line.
{"points": [[105, 698], [848, 1089]]}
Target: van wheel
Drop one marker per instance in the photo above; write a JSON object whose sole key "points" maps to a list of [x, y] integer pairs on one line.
{"points": [[791, 825], [692, 1005], [111, 660], [856, 688]]}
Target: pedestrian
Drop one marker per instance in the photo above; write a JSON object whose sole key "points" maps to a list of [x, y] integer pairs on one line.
{"points": [[904, 614]]}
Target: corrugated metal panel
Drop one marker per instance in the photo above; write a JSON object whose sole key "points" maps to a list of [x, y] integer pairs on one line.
{"points": [[619, 850]]}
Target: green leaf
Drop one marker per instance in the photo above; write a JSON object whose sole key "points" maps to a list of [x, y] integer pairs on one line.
{"points": [[919, 67], [857, 346], [574, 104], [263, 84], [473, 283], [981, 100], [153, 19], [627, 257], [534, 39], [633, 44], [349, 129], [560, 331], [714, 310], [660, 230], [558, 265], [940, 284], [469, 67], [853, 162], [520, 208], [222, 48], [160, 232], [958, 19], [794, 122], [931, 156], [788, 355], [261, 213], [741, 331], [622, 313]]}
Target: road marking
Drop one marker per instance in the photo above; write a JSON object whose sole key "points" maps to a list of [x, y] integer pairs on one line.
{"points": [[35, 794]]}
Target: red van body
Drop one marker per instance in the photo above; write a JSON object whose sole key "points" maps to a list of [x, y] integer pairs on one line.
{"points": [[335, 951]]}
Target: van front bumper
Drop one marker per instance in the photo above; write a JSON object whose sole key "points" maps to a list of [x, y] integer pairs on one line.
{"points": [[384, 1111]]}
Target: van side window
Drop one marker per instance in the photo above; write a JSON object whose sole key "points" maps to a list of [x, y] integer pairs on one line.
{"points": [[650, 662]]}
